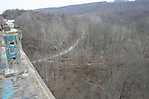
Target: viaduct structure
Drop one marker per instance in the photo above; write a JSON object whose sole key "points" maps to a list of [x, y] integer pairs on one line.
{"points": [[18, 77]]}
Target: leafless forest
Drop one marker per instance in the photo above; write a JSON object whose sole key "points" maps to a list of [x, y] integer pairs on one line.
{"points": [[91, 51]]}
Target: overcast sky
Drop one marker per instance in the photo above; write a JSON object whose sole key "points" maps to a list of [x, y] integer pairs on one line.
{"points": [[35, 4]]}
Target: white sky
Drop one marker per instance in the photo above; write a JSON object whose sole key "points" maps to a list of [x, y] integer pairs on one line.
{"points": [[35, 4]]}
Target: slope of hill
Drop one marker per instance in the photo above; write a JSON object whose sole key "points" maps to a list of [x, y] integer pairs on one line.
{"points": [[12, 14], [104, 49], [74, 9]]}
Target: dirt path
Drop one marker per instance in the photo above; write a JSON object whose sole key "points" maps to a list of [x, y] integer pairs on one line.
{"points": [[63, 52]]}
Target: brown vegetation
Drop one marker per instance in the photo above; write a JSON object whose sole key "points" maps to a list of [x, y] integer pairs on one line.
{"points": [[109, 62]]}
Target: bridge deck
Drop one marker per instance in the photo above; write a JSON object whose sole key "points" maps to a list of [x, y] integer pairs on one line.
{"points": [[26, 85]]}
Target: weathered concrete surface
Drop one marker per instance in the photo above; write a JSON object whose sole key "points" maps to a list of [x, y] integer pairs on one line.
{"points": [[41, 85], [26, 85]]}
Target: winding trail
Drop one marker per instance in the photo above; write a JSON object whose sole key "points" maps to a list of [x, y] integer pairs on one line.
{"points": [[63, 52]]}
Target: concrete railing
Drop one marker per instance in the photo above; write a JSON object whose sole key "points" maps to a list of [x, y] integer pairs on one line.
{"points": [[41, 83]]}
